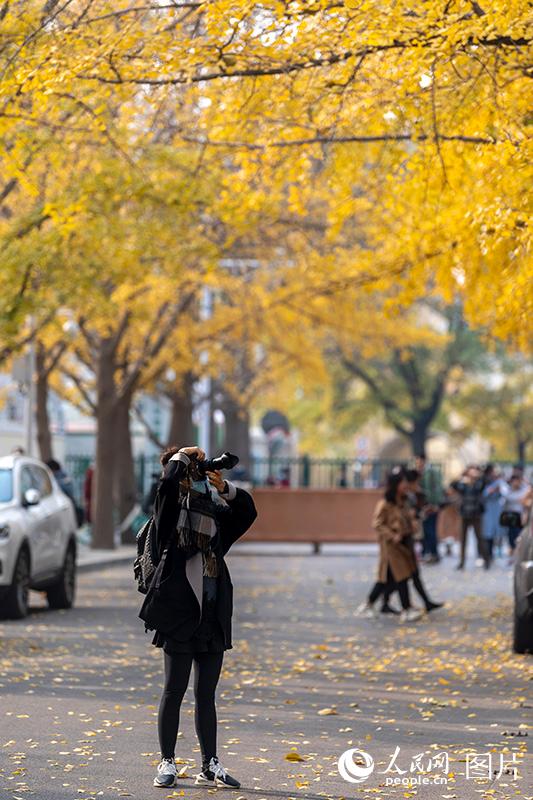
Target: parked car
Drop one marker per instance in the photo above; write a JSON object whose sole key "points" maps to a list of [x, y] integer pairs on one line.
{"points": [[37, 537], [523, 591]]}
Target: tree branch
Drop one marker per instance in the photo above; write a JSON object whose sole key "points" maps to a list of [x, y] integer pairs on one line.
{"points": [[407, 371], [386, 403], [81, 388], [150, 349], [8, 350], [149, 430], [310, 63], [386, 137], [88, 335]]}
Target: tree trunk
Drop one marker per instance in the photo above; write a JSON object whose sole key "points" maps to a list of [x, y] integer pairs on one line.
{"points": [[125, 484], [237, 432], [419, 435], [42, 418], [103, 522], [181, 430], [521, 451]]}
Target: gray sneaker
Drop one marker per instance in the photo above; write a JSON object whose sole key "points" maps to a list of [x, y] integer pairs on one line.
{"points": [[166, 773], [216, 775]]}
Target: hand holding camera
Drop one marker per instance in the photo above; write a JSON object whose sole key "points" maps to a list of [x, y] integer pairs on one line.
{"points": [[215, 479], [193, 452], [202, 469]]}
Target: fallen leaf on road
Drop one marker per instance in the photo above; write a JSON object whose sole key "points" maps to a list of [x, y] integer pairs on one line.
{"points": [[292, 755]]}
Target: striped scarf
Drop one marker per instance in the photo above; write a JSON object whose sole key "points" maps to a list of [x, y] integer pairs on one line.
{"points": [[197, 527]]}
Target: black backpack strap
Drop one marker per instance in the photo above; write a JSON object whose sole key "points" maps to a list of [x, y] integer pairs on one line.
{"points": [[159, 571]]}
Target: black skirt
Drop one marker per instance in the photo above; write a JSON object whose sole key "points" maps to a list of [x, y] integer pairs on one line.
{"points": [[207, 638]]}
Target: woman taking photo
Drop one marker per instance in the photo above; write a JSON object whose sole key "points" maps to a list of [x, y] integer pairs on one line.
{"points": [[197, 518]]}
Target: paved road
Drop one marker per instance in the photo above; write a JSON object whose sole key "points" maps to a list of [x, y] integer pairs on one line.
{"points": [[80, 689]]}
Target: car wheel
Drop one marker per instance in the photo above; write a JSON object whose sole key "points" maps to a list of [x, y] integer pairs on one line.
{"points": [[522, 635], [16, 601], [61, 594]]}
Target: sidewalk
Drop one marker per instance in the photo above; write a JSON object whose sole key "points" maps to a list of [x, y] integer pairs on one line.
{"points": [[89, 559]]}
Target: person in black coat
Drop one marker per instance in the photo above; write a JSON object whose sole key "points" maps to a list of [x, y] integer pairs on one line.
{"points": [[191, 608]]}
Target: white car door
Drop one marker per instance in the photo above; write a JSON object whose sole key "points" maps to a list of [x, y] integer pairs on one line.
{"points": [[33, 523], [50, 508]]}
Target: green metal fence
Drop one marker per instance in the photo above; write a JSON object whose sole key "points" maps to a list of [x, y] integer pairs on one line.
{"points": [[298, 472]]}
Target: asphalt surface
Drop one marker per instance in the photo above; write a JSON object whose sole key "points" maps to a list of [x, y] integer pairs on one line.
{"points": [[79, 689]]}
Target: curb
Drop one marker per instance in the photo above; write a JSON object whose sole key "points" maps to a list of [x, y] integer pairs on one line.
{"points": [[303, 549], [104, 563]]}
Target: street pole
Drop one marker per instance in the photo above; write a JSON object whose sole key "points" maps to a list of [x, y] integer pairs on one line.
{"points": [[30, 395], [204, 384]]}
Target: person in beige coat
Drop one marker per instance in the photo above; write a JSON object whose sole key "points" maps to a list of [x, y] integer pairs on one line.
{"points": [[394, 525]]}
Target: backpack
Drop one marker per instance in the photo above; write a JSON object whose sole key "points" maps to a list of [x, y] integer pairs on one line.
{"points": [[146, 560]]}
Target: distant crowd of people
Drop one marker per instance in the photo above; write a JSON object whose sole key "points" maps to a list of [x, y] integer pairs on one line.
{"points": [[493, 506]]}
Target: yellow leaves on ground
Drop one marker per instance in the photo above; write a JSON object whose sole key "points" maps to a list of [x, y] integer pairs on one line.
{"points": [[292, 755]]}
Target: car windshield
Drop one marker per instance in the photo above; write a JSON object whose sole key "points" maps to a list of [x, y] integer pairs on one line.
{"points": [[6, 485]]}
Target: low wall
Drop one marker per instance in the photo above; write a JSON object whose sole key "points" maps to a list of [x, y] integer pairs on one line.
{"points": [[314, 515]]}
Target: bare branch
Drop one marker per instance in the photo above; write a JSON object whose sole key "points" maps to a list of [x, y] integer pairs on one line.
{"points": [[138, 9], [386, 137], [149, 430], [91, 339], [149, 348], [309, 63], [390, 408], [78, 383]]}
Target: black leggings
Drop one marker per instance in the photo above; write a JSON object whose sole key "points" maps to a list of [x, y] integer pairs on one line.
{"points": [[420, 588], [207, 668], [386, 590]]}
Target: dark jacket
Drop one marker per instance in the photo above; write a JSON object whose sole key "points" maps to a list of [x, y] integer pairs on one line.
{"points": [[471, 498], [172, 608]]}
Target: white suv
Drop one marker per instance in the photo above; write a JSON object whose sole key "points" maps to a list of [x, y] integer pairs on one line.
{"points": [[37, 537]]}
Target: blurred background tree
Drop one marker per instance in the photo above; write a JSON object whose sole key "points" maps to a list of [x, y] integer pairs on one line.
{"points": [[501, 409]]}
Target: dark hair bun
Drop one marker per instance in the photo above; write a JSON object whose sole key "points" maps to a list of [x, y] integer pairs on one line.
{"points": [[166, 455]]}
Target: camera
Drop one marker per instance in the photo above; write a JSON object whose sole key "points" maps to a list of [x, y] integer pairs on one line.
{"points": [[200, 468]]}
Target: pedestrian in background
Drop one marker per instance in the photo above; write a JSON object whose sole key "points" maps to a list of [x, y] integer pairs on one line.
{"points": [[516, 504], [88, 482], [433, 497], [147, 505], [470, 488], [494, 490], [416, 499], [66, 485], [393, 522]]}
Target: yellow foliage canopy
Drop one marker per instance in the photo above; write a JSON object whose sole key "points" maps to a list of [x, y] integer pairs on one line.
{"points": [[354, 144]]}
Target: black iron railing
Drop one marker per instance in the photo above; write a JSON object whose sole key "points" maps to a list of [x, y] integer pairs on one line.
{"points": [[297, 472]]}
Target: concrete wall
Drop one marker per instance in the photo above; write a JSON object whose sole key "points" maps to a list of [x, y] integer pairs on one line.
{"points": [[307, 515]]}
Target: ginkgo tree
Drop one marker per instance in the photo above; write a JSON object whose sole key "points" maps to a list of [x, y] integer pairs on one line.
{"points": [[348, 149], [410, 124]]}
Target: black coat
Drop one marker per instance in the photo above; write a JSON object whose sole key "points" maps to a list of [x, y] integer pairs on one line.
{"points": [[173, 609]]}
